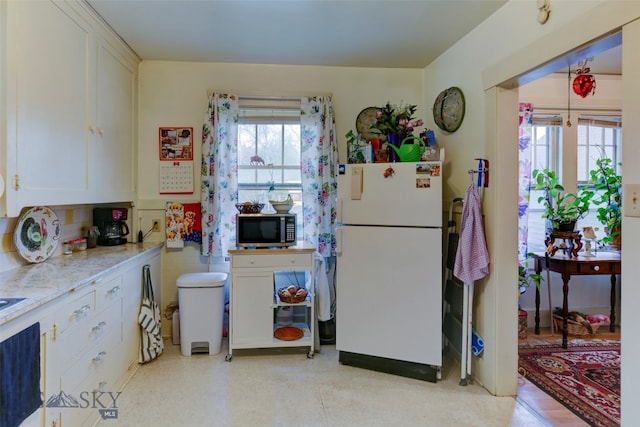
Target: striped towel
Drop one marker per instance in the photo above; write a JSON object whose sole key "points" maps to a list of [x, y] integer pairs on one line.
{"points": [[149, 320]]}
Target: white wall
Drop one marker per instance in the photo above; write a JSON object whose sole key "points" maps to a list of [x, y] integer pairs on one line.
{"points": [[631, 226], [175, 94], [508, 44]]}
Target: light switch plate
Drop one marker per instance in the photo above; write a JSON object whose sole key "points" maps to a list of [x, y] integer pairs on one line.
{"points": [[631, 201]]}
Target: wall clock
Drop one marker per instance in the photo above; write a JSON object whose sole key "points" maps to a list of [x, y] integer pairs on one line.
{"points": [[365, 119], [448, 109]]}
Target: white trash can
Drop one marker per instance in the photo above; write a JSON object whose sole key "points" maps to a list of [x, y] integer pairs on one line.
{"points": [[201, 302]]}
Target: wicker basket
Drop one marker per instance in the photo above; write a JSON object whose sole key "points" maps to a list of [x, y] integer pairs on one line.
{"points": [[286, 296], [573, 327], [249, 209]]}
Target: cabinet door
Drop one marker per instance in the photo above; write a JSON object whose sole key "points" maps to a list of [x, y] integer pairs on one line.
{"points": [[113, 142], [252, 308], [50, 67]]}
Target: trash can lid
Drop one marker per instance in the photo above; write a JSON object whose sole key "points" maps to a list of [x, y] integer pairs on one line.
{"points": [[202, 280]]}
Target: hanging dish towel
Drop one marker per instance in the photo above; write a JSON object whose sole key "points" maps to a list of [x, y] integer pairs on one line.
{"points": [[20, 376], [472, 256], [149, 319], [182, 224]]}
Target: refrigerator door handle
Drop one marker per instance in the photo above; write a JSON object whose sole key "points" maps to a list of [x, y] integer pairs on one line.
{"points": [[339, 210], [339, 240]]}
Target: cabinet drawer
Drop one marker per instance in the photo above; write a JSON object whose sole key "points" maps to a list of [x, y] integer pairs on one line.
{"points": [[91, 363], [272, 261], [108, 292], [594, 268], [97, 378], [76, 311], [88, 333]]}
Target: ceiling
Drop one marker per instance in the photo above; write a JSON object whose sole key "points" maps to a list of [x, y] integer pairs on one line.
{"points": [[350, 33]]}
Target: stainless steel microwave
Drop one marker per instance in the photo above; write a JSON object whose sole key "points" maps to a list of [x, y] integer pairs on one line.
{"points": [[265, 230]]}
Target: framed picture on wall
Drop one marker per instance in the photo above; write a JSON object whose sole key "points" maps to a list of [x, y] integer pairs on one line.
{"points": [[175, 143]]}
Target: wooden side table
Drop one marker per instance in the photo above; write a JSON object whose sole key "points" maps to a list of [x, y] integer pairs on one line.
{"points": [[600, 263]]}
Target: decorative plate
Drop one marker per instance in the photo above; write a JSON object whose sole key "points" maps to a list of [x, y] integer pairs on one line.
{"points": [[365, 119], [448, 109], [37, 234], [288, 333]]}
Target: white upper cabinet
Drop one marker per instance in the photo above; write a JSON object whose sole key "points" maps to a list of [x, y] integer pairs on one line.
{"points": [[114, 134], [70, 108]]}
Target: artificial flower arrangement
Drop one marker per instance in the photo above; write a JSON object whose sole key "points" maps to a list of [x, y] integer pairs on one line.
{"points": [[394, 119]]}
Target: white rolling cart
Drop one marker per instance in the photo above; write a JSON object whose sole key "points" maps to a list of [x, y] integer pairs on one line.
{"points": [[253, 298]]}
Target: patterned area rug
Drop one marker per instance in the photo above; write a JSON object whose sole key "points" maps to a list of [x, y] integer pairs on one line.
{"points": [[584, 377]]}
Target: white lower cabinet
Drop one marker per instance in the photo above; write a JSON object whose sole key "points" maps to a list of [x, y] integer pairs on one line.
{"points": [[91, 347], [254, 302], [252, 319]]}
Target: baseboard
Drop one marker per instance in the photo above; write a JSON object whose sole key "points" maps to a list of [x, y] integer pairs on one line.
{"points": [[402, 368]]}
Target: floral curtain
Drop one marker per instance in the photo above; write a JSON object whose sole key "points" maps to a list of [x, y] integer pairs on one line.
{"points": [[319, 157], [219, 185], [525, 118]]}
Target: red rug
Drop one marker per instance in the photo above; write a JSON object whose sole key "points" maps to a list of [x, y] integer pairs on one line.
{"points": [[584, 377]]}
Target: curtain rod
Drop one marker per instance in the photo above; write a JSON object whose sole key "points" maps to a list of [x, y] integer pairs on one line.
{"points": [[593, 110], [257, 97]]}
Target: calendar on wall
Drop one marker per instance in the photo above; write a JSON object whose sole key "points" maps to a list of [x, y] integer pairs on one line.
{"points": [[176, 160], [176, 177]]}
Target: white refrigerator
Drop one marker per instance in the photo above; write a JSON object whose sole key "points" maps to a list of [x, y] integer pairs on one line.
{"points": [[389, 267]]}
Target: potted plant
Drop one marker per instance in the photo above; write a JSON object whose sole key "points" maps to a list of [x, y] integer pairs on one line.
{"points": [[396, 119], [396, 122], [607, 185], [526, 278], [562, 209]]}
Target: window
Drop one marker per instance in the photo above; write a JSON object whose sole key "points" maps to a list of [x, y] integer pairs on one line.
{"points": [[546, 148], [595, 137], [269, 157]]}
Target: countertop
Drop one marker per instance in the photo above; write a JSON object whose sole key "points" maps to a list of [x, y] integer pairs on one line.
{"points": [[44, 282]]}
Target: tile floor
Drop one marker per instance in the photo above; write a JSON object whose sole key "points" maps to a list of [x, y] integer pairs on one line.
{"points": [[285, 388]]}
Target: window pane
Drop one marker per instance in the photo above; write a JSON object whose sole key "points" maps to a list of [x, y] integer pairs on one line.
{"points": [[292, 145], [292, 176]]}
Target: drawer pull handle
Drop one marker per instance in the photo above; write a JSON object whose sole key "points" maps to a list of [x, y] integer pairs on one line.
{"points": [[100, 326], [82, 310], [100, 357], [596, 268], [113, 290]]}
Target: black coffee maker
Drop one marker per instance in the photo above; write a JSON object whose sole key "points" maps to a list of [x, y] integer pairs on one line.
{"points": [[112, 225]]}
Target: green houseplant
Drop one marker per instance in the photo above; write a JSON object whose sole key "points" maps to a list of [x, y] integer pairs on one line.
{"points": [[526, 278], [607, 185], [562, 209]]}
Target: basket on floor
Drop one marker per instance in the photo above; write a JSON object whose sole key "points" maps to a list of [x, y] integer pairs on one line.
{"points": [[575, 328]]}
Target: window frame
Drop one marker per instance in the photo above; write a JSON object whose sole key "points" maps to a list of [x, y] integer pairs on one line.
{"points": [[272, 114]]}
